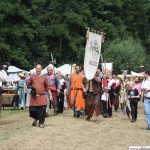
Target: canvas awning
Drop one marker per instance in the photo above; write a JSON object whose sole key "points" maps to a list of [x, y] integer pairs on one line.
{"points": [[44, 71], [13, 69], [65, 69], [137, 74], [13, 77]]}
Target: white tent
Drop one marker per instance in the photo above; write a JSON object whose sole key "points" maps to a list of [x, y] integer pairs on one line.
{"points": [[13, 69], [136, 74], [44, 71], [32, 71], [65, 69], [122, 76], [13, 77]]}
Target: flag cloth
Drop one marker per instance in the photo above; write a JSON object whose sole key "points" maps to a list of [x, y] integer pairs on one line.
{"points": [[92, 54]]}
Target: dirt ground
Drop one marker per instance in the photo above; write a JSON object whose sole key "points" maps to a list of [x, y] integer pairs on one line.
{"points": [[64, 132]]}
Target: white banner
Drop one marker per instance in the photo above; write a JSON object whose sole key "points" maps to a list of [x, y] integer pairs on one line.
{"points": [[92, 54], [107, 67]]}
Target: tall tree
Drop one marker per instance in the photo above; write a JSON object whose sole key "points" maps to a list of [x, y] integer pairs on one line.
{"points": [[31, 30], [125, 54]]}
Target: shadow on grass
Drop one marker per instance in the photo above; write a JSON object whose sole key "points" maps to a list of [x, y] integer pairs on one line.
{"points": [[5, 122]]}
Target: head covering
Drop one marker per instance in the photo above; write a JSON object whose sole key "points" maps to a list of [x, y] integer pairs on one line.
{"points": [[22, 75]]}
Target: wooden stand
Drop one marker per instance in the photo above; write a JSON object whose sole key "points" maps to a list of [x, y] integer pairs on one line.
{"points": [[10, 98]]}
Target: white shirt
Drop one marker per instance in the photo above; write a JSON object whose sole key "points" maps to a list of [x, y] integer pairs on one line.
{"points": [[3, 77], [61, 81], [113, 81], [146, 84], [105, 96]]}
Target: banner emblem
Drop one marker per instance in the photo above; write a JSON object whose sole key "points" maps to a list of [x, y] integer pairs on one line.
{"points": [[92, 54]]}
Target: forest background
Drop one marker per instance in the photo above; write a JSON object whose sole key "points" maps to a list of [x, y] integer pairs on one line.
{"points": [[30, 30]]}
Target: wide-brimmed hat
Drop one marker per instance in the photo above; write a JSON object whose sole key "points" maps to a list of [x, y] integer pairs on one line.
{"points": [[22, 75], [136, 79]]}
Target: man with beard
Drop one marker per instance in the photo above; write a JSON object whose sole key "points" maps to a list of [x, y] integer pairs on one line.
{"points": [[55, 88], [74, 90], [91, 89]]}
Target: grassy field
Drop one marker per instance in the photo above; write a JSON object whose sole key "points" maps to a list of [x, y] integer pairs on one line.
{"points": [[64, 132]]}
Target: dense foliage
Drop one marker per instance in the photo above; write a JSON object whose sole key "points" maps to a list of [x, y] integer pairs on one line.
{"points": [[30, 30]]}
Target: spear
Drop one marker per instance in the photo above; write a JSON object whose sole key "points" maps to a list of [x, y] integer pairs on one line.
{"points": [[53, 61]]}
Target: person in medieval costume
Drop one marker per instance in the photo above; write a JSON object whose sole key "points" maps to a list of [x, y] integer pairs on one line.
{"points": [[61, 96], [105, 100], [38, 100], [32, 72], [65, 92], [3, 78], [127, 102], [55, 89], [21, 91], [91, 89], [114, 85], [75, 93], [122, 95]]}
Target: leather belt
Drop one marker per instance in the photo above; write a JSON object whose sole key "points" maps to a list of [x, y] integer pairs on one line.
{"points": [[39, 95], [76, 89]]}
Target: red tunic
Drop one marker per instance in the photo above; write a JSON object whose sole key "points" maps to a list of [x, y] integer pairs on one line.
{"points": [[41, 84]]}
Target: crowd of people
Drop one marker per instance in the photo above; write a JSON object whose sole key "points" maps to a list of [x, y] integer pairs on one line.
{"points": [[104, 94]]}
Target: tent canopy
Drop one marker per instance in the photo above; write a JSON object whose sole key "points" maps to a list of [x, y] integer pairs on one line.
{"points": [[13, 69], [44, 71], [65, 69], [13, 77], [137, 74]]}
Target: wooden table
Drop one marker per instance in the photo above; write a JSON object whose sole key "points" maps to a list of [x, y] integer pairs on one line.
{"points": [[10, 97]]}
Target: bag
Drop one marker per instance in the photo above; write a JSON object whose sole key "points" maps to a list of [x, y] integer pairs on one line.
{"points": [[33, 91], [1, 90], [85, 95]]}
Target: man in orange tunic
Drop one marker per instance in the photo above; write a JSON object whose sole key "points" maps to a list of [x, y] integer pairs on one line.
{"points": [[38, 100], [74, 89]]}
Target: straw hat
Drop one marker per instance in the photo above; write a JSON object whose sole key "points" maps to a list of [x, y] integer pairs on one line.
{"points": [[22, 75]]}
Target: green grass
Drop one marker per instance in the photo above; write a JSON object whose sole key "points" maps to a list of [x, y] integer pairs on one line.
{"points": [[64, 132]]}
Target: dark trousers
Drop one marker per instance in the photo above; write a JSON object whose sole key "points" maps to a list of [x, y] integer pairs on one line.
{"points": [[104, 106], [133, 109], [116, 103], [111, 103], [60, 103], [0, 102], [38, 113]]}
